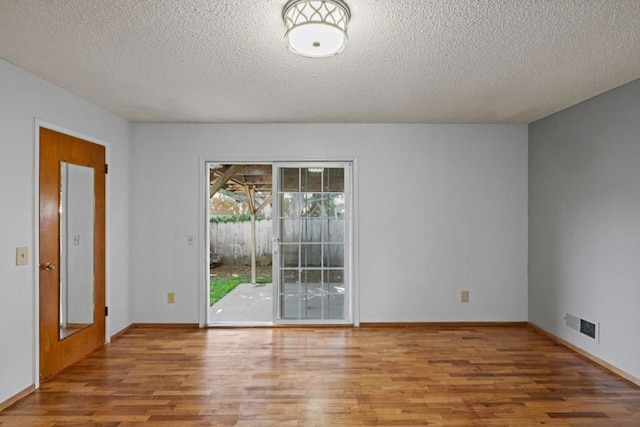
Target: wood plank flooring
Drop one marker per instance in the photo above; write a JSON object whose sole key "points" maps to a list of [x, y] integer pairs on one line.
{"points": [[448, 376]]}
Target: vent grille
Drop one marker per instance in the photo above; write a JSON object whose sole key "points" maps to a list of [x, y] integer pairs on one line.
{"points": [[588, 328], [581, 326]]}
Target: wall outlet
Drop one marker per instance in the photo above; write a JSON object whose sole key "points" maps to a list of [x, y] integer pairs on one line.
{"points": [[464, 296], [171, 297], [22, 255], [191, 240]]}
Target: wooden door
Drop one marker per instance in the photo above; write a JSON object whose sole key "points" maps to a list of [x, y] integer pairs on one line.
{"points": [[63, 339]]}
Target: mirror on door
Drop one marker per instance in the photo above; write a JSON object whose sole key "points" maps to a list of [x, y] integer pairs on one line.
{"points": [[77, 202]]}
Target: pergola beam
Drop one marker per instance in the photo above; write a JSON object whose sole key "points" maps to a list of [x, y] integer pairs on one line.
{"points": [[250, 192], [265, 203], [223, 179]]}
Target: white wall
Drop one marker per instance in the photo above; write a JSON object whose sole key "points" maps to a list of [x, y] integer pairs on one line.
{"points": [[23, 99], [584, 181], [454, 198]]}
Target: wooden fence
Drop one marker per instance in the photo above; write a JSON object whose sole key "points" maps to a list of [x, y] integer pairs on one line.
{"points": [[232, 242]]}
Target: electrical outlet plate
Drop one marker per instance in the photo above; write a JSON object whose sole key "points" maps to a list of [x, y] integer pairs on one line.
{"points": [[171, 297], [191, 240], [464, 296], [22, 255]]}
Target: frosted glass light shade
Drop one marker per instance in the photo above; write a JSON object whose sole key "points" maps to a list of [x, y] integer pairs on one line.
{"points": [[316, 28]]}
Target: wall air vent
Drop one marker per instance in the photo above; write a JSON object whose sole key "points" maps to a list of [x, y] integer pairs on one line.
{"points": [[582, 326], [588, 328]]}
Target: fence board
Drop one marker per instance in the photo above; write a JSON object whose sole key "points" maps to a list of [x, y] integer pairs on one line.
{"points": [[232, 240]]}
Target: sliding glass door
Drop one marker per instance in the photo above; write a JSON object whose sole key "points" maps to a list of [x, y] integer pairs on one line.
{"points": [[312, 243]]}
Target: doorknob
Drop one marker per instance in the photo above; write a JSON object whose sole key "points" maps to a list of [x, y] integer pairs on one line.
{"points": [[47, 266]]}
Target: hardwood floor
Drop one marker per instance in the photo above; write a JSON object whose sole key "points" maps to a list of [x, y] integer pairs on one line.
{"points": [[473, 376]]}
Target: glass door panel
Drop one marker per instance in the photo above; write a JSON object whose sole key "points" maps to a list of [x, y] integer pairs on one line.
{"points": [[312, 245]]}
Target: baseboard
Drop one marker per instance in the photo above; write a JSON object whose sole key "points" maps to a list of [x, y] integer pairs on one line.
{"points": [[166, 325], [121, 332], [10, 401], [440, 324], [325, 325], [609, 367], [321, 326]]}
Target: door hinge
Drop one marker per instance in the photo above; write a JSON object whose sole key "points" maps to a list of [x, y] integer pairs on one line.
{"points": [[106, 168], [106, 311]]}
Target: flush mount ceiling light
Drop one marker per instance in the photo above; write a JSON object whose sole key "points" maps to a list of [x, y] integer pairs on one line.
{"points": [[316, 28]]}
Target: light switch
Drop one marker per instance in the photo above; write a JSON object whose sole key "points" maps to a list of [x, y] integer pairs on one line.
{"points": [[191, 240], [22, 256], [76, 240]]}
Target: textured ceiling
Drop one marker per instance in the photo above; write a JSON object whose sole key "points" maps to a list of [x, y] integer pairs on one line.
{"points": [[429, 61]]}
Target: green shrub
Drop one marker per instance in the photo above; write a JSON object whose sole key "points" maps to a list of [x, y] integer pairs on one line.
{"points": [[233, 218]]}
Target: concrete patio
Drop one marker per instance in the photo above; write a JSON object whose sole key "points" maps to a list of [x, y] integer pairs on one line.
{"points": [[249, 304]]}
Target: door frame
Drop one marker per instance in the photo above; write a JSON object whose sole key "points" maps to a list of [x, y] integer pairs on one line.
{"points": [[203, 209], [40, 123]]}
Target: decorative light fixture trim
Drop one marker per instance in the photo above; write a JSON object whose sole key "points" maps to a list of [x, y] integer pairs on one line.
{"points": [[316, 28]]}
